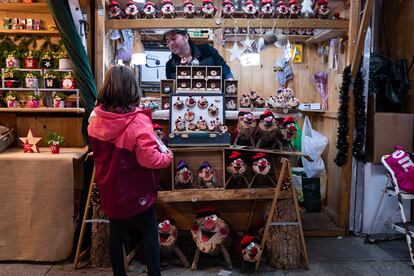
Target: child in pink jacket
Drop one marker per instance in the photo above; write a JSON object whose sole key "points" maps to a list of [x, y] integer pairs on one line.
{"points": [[127, 158]]}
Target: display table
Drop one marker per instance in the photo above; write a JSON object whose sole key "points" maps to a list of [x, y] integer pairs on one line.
{"points": [[37, 203]]}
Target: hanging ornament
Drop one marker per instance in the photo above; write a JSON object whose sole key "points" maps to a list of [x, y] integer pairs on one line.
{"points": [[260, 43], [235, 52]]}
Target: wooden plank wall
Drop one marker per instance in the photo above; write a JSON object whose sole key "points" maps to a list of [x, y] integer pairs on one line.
{"points": [[399, 32]]}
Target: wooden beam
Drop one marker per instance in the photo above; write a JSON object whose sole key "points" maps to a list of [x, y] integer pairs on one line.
{"points": [[356, 58], [219, 194], [25, 8], [99, 43], [225, 23]]}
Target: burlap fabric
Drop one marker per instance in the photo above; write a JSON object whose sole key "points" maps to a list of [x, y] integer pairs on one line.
{"points": [[36, 204]]}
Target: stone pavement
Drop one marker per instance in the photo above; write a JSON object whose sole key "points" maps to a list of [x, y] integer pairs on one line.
{"points": [[328, 256]]}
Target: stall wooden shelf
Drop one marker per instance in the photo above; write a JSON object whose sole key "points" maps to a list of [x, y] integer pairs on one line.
{"points": [[43, 110], [225, 23], [199, 195], [26, 8], [29, 32]]}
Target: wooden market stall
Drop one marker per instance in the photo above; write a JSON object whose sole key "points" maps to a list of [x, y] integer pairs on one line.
{"points": [[334, 219]]}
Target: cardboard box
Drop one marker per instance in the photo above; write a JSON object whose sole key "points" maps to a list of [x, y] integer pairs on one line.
{"points": [[386, 130]]}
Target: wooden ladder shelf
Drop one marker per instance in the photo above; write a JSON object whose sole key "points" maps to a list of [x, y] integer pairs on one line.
{"points": [[284, 177]]}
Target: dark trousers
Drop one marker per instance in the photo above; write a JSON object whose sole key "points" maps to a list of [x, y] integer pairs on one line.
{"points": [[147, 222]]}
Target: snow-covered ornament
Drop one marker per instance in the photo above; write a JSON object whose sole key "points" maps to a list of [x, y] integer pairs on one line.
{"points": [[307, 9]]}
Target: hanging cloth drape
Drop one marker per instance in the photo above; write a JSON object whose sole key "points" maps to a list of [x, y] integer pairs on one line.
{"points": [[81, 68]]}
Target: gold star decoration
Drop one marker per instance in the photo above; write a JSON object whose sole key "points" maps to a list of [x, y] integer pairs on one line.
{"points": [[30, 142]]}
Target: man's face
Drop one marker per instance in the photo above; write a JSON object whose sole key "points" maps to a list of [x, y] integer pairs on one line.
{"points": [[176, 42]]}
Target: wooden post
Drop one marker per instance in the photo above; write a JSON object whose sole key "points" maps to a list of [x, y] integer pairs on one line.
{"points": [[355, 47], [99, 42]]}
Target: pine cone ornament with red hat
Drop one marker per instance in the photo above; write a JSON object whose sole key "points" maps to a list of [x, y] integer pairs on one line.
{"points": [[245, 101], [206, 176], [131, 10], [167, 236], [150, 10], [245, 130], [228, 9], [236, 166], [288, 130], [115, 11], [266, 9], [282, 11], [158, 129], [189, 9], [261, 164], [323, 11], [183, 176], [167, 9], [294, 9], [209, 231], [251, 249], [249, 8], [208, 10], [267, 131]]}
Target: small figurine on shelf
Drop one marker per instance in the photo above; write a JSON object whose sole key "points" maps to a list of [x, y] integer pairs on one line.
{"points": [[251, 249], [51, 78], [189, 115], [179, 124], [179, 104], [245, 101], [68, 81], [212, 125], [259, 102], [55, 141], [208, 10], [266, 9], [167, 9], [213, 110], [294, 9], [267, 131], [261, 168], [189, 9], [288, 131], [250, 10], [158, 129], [63, 59], [190, 102], [59, 100], [252, 95], [323, 11], [206, 176], [237, 169], [46, 61], [115, 11], [183, 176], [282, 10], [228, 9], [202, 103], [150, 11], [307, 9], [231, 89], [32, 79], [271, 102], [12, 99], [33, 100], [131, 10], [167, 235], [201, 124], [30, 59], [231, 105], [210, 233], [246, 127]]}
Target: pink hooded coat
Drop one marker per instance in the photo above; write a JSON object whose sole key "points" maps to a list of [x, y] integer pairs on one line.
{"points": [[127, 159]]}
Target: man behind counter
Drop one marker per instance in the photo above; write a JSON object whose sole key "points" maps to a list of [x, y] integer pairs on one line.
{"points": [[184, 51]]}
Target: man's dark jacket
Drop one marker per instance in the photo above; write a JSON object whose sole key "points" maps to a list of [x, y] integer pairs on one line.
{"points": [[205, 54]]}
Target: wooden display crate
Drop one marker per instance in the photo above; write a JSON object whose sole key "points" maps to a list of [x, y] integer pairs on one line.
{"points": [[194, 157]]}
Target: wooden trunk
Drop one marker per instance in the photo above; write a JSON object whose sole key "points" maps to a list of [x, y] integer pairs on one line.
{"points": [[100, 240], [283, 245]]}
